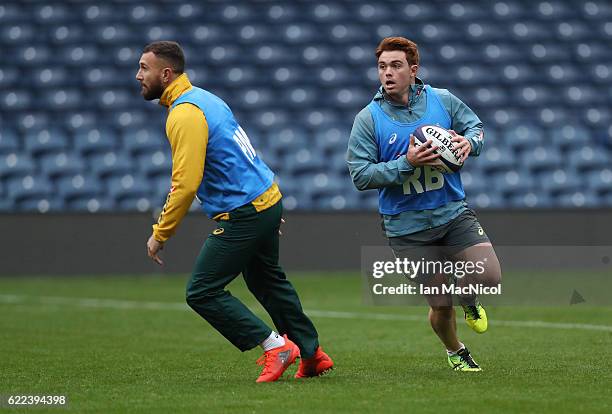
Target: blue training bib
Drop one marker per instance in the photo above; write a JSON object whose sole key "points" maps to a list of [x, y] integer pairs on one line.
{"points": [[426, 188], [233, 173]]}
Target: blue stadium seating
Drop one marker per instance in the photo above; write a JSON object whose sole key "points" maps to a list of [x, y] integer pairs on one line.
{"points": [[28, 186], [296, 73], [76, 186], [128, 186], [45, 141], [8, 140], [60, 164], [16, 164], [110, 163], [95, 140]]}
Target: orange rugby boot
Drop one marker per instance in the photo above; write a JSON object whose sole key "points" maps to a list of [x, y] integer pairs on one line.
{"points": [[318, 365], [277, 360]]}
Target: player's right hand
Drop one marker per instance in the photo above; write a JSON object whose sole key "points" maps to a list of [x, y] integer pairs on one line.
{"points": [[423, 154]]}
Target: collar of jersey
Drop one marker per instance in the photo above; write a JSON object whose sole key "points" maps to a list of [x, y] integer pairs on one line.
{"points": [[414, 88], [174, 90]]}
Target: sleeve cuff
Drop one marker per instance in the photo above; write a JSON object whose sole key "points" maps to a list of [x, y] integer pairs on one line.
{"points": [[404, 166], [475, 147], [158, 236]]}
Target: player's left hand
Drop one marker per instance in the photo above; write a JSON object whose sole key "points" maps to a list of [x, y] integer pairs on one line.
{"points": [[153, 248], [463, 145]]}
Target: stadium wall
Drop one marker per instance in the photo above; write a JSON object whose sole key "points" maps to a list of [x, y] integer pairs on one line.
{"points": [[63, 244]]}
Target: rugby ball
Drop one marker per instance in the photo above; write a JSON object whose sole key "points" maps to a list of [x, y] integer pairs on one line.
{"points": [[450, 162]]}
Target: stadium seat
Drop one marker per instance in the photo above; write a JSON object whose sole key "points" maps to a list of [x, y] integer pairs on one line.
{"points": [[325, 184], [141, 204], [16, 164], [511, 183], [287, 140], [128, 186], [472, 183], [78, 186], [472, 74], [333, 202], [336, 164], [144, 140], [95, 140], [270, 158], [487, 199], [515, 73], [530, 31], [9, 141], [591, 52], [60, 164], [156, 163], [531, 199], [96, 13], [12, 100], [303, 161], [77, 121], [103, 77], [40, 204], [104, 164], [596, 10], [558, 181], [62, 99], [45, 77], [52, 13], [552, 10], [65, 33], [161, 187], [26, 121], [539, 158], [332, 140], [78, 55], [419, 11], [600, 181], [496, 159], [45, 141], [500, 53], [113, 99], [569, 136], [523, 136], [362, 200], [533, 96], [589, 158], [30, 56], [9, 77], [28, 186], [578, 199], [91, 204]]}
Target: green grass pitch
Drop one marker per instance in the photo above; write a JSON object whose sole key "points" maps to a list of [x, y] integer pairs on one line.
{"points": [[130, 345]]}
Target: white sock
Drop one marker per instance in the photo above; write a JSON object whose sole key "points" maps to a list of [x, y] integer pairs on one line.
{"points": [[461, 346], [272, 341]]}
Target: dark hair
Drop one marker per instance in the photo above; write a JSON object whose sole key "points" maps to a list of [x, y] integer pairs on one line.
{"points": [[400, 43], [170, 51]]}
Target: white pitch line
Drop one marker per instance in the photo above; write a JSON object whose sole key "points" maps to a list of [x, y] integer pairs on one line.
{"points": [[134, 304]]}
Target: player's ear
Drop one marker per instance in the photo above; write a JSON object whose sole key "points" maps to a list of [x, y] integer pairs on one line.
{"points": [[166, 75], [414, 69]]}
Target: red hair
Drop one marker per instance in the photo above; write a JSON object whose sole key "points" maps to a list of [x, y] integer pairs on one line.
{"points": [[400, 43]]}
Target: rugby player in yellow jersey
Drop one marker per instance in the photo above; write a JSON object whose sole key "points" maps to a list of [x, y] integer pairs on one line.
{"points": [[213, 160]]}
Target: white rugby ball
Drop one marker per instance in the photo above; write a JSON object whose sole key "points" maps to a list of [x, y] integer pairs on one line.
{"points": [[450, 162]]}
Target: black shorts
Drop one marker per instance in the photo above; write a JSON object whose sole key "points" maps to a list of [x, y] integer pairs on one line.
{"points": [[460, 233], [441, 243]]}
